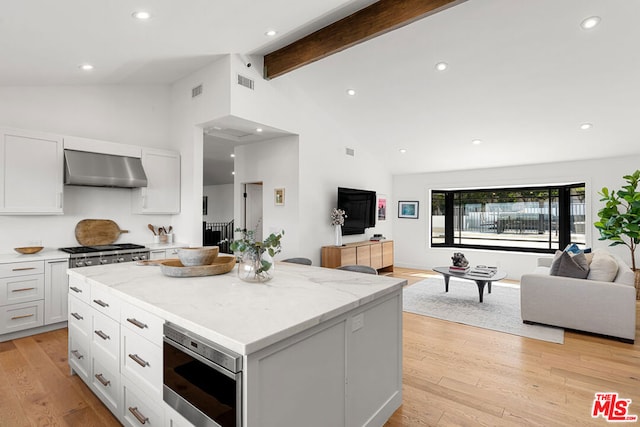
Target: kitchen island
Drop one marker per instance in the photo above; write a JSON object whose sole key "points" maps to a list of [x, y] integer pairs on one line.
{"points": [[319, 347]]}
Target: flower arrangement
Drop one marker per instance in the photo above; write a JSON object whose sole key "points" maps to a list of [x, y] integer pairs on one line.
{"points": [[253, 253], [337, 216]]}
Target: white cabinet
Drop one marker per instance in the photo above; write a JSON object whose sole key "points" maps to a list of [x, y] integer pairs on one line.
{"points": [[157, 254], [162, 194], [163, 253], [351, 364], [21, 296], [31, 181], [173, 419], [116, 348], [56, 290]]}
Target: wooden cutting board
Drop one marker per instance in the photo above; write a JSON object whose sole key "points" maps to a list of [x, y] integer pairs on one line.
{"points": [[94, 232]]}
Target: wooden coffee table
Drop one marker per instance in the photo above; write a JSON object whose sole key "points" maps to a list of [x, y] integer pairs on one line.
{"points": [[481, 281]]}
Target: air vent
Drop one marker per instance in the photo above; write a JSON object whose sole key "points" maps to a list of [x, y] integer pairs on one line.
{"points": [[196, 91], [350, 152], [245, 81]]}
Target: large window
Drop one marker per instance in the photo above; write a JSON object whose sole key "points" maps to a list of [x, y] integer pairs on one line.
{"points": [[532, 219]]}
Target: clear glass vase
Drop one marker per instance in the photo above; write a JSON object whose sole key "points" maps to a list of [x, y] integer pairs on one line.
{"points": [[255, 267]]}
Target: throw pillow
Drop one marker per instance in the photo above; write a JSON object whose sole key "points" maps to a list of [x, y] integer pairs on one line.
{"points": [[575, 266], [603, 267], [555, 263]]}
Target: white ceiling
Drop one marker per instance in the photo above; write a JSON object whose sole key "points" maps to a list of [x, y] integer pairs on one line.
{"points": [[522, 75]]}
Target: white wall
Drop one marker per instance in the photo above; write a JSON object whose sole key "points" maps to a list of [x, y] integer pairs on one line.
{"points": [[136, 115], [188, 116], [322, 165], [275, 164], [412, 248], [220, 203]]}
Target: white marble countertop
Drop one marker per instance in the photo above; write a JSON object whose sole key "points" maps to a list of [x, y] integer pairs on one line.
{"points": [[44, 255], [243, 317]]}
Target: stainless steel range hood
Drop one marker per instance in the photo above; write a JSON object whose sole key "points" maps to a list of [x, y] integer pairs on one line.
{"points": [[103, 170]]}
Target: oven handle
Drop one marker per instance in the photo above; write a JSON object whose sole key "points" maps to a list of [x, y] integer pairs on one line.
{"points": [[204, 360]]}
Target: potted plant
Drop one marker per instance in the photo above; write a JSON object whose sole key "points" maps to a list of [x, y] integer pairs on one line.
{"points": [[255, 259], [620, 218]]}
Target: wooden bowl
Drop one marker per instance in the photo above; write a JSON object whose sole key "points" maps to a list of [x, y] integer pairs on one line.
{"points": [[28, 250], [191, 257], [221, 265]]}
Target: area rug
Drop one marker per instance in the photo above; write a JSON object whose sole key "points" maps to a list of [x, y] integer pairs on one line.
{"points": [[500, 310]]}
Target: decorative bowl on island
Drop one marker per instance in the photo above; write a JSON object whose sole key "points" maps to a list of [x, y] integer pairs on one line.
{"points": [[28, 250], [191, 257], [222, 264]]}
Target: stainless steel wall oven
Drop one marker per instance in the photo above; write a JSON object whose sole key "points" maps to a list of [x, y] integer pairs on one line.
{"points": [[202, 380]]}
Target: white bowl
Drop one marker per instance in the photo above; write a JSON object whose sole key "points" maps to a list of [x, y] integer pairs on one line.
{"points": [[190, 257]]}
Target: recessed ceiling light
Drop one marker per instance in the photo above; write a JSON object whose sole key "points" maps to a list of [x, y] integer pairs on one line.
{"points": [[86, 67], [476, 141], [141, 15], [590, 22], [585, 126], [441, 66], [232, 155], [258, 130], [351, 92], [270, 33], [403, 150], [233, 172]]}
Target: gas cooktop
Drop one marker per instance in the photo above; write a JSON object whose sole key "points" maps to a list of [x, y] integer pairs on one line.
{"points": [[101, 248]]}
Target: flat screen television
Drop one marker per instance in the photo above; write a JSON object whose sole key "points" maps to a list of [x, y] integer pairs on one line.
{"points": [[360, 209]]}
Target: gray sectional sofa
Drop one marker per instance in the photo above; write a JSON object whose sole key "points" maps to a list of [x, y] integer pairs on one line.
{"points": [[601, 307]]}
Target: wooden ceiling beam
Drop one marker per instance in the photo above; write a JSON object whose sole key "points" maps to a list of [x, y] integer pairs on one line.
{"points": [[365, 24]]}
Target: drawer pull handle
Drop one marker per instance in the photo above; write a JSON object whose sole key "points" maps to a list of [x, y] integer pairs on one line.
{"points": [[141, 418], [74, 289], [102, 335], [77, 354], [103, 381], [22, 289], [23, 269], [138, 323], [101, 303], [77, 316], [22, 317], [139, 360]]}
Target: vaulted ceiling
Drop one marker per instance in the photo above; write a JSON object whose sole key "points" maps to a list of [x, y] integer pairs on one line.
{"points": [[522, 76]]}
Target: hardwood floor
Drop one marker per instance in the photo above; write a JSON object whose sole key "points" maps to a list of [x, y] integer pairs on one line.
{"points": [[453, 375]]}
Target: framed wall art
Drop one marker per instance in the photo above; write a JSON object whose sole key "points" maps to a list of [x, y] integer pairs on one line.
{"points": [[278, 196], [408, 210]]}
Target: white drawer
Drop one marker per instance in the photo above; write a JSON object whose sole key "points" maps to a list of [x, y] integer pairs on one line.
{"points": [[17, 317], [105, 302], [141, 362], [79, 356], [80, 316], [19, 289], [142, 322], [105, 337], [21, 268], [105, 382], [139, 409], [80, 289]]}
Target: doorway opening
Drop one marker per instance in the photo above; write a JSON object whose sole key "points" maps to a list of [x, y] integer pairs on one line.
{"points": [[251, 208]]}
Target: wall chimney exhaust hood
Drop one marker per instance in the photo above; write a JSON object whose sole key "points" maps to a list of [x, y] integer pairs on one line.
{"points": [[103, 170]]}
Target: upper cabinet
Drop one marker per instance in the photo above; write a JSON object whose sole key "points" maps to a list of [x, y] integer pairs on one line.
{"points": [[162, 194], [31, 178]]}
